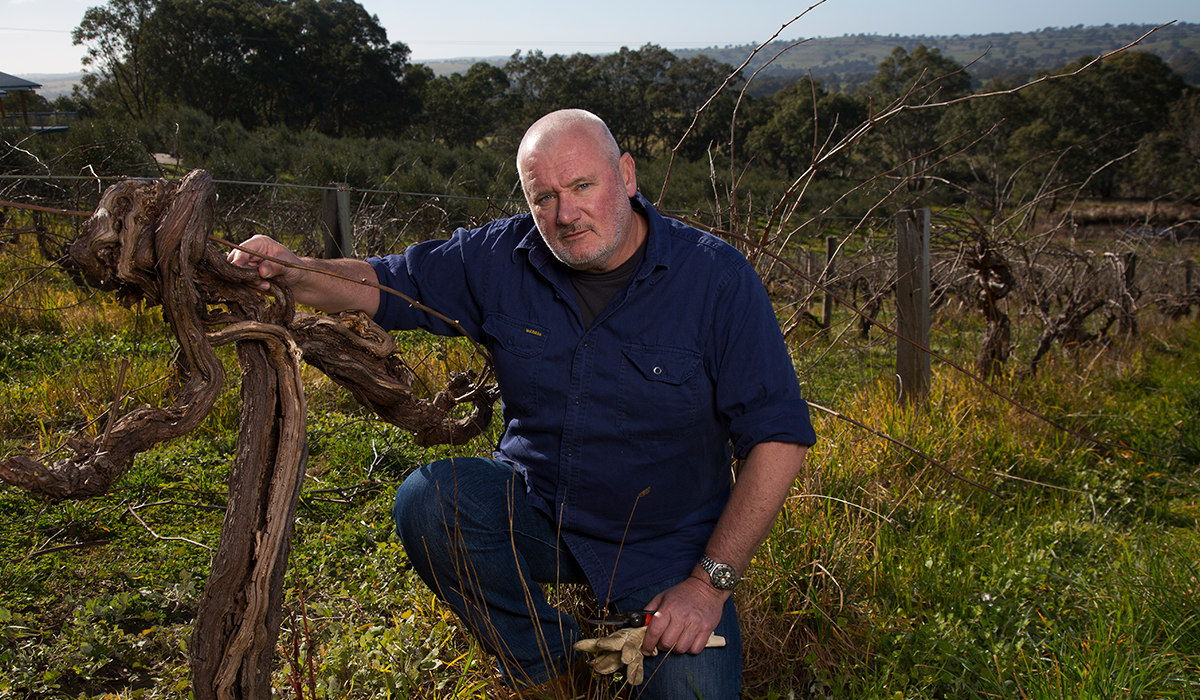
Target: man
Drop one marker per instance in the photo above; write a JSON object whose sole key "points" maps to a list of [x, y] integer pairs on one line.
{"points": [[636, 356]]}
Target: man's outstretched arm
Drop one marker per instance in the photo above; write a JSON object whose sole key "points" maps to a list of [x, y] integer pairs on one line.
{"points": [[323, 292], [690, 611]]}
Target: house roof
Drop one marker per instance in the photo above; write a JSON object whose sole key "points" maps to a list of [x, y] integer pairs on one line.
{"points": [[12, 82]]}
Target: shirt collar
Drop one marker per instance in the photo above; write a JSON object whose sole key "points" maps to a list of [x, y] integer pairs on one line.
{"points": [[658, 249]]}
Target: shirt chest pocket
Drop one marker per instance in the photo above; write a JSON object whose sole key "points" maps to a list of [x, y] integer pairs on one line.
{"points": [[517, 353], [659, 392]]}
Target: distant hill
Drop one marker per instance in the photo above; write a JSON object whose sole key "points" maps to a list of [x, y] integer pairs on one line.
{"points": [[852, 59], [54, 84], [460, 65]]}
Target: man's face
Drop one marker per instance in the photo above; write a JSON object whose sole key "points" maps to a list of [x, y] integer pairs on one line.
{"points": [[580, 202]]}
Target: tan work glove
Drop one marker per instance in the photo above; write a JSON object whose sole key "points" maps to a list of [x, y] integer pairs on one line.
{"points": [[621, 648], [624, 647]]}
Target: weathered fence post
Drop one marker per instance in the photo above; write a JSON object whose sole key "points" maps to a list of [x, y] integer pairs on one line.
{"points": [[804, 263], [1126, 277], [827, 279], [335, 220], [912, 304]]}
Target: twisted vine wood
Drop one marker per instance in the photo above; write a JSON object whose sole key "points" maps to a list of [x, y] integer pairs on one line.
{"points": [[149, 242]]}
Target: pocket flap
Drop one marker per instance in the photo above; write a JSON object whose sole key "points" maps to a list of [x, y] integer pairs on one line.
{"points": [[519, 338], [659, 364]]}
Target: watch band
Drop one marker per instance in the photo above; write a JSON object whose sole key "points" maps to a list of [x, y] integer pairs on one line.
{"points": [[723, 577]]}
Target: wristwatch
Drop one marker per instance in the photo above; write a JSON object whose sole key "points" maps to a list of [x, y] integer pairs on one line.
{"points": [[722, 576]]}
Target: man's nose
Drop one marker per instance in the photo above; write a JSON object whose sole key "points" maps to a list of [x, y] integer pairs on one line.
{"points": [[568, 212]]}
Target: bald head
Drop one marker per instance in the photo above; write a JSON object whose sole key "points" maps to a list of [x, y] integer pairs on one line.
{"points": [[555, 127]]}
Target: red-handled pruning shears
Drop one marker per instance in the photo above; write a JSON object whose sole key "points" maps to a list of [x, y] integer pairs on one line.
{"points": [[628, 618]]}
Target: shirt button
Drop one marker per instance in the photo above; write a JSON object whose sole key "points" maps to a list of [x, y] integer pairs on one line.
{"points": [[576, 400], [658, 370]]}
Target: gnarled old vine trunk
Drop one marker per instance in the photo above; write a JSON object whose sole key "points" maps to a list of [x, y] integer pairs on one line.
{"points": [[993, 281], [149, 241]]}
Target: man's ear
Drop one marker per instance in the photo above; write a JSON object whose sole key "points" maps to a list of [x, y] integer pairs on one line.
{"points": [[628, 174]]}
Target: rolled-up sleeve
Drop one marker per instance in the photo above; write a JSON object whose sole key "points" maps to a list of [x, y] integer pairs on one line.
{"points": [[756, 384]]}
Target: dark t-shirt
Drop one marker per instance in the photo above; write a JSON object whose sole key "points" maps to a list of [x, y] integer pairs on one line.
{"points": [[593, 290]]}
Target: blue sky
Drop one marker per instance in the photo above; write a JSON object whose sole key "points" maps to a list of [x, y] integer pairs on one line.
{"points": [[35, 34]]}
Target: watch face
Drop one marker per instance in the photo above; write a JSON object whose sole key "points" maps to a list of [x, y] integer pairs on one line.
{"points": [[723, 577]]}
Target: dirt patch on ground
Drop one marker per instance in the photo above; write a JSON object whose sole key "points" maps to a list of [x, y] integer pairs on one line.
{"points": [[1090, 218], [1136, 212]]}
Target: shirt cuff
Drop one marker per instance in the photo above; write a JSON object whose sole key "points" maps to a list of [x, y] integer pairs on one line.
{"points": [[786, 421]]}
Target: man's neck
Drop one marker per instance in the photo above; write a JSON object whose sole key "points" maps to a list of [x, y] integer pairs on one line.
{"points": [[634, 240]]}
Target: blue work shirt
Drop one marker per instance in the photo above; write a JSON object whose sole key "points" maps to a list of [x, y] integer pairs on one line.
{"points": [[624, 432]]}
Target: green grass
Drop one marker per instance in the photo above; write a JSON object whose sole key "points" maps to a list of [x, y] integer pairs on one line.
{"points": [[884, 577], [888, 578]]}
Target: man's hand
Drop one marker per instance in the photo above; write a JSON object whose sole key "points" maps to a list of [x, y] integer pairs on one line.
{"points": [[689, 612], [340, 290], [685, 615], [265, 246]]}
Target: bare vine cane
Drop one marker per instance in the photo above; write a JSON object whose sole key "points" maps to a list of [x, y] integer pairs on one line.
{"points": [[149, 242]]}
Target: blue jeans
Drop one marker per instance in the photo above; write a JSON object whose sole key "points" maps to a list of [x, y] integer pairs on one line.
{"points": [[483, 550]]}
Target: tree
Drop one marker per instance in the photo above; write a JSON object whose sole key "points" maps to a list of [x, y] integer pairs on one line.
{"points": [[1186, 64], [462, 109], [804, 117], [113, 36], [690, 85], [907, 144], [1086, 126], [631, 95], [336, 72], [543, 84], [1168, 161], [202, 58], [987, 168], [648, 97], [308, 64]]}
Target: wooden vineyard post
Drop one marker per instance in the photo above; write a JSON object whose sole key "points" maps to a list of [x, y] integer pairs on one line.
{"points": [[827, 279], [335, 220], [912, 305]]}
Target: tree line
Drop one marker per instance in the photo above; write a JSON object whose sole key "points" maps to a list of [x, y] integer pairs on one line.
{"points": [[1126, 127]]}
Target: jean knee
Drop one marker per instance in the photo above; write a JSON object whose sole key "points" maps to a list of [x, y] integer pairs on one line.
{"points": [[416, 507], [444, 497]]}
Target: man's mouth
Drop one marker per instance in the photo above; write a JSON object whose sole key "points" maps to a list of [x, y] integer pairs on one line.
{"points": [[573, 233]]}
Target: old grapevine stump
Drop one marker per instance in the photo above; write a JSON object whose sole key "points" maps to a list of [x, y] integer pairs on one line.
{"points": [[993, 282], [149, 242]]}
